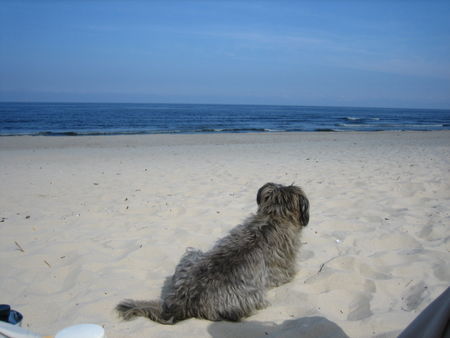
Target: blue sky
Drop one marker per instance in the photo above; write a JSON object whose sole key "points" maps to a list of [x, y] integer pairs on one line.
{"points": [[347, 53]]}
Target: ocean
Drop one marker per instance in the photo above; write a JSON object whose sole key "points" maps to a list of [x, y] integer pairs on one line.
{"points": [[56, 119]]}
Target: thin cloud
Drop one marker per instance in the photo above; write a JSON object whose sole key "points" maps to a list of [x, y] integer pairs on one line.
{"points": [[405, 66], [266, 38]]}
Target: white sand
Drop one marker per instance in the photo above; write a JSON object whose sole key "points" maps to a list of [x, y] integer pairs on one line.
{"points": [[100, 219]]}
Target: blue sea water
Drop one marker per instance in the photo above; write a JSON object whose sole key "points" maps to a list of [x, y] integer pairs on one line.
{"points": [[129, 118]]}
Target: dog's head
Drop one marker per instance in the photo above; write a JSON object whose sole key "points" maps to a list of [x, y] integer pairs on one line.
{"points": [[283, 201]]}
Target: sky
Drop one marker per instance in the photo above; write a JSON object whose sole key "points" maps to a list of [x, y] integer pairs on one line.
{"points": [[381, 53]]}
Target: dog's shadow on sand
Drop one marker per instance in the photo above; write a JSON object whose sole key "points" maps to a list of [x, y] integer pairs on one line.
{"points": [[307, 327]]}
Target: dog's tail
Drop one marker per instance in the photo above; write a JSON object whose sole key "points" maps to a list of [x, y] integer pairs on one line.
{"points": [[129, 309]]}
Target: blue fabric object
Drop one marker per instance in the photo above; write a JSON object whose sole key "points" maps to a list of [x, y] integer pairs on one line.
{"points": [[10, 316]]}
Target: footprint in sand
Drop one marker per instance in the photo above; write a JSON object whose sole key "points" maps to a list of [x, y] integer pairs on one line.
{"points": [[442, 271], [433, 231], [347, 304], [388, 242], [356, 264], [414, 296], [359, 308], [330, 278]]}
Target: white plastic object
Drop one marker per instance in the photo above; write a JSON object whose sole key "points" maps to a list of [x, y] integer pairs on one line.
{"points": [[82, 330], [76, 331], [15, 331]]}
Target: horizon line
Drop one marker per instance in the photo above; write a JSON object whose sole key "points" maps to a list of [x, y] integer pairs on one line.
{"points": [[218, 104]]}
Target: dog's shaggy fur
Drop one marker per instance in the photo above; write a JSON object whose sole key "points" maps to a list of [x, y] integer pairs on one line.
{"points": [[229, 281]]}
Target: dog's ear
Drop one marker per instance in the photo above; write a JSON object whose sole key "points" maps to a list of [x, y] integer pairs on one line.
{"points": [[304, 210], [260, 196]]}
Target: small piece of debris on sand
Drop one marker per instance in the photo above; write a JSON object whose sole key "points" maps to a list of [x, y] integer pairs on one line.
{"points": [[19, 247]]}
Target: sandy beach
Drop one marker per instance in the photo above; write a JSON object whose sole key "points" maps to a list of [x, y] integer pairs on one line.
{"points": [[88, 221]]}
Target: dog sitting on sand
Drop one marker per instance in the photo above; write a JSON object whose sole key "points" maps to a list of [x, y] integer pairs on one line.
{"points": [[229, 281]]}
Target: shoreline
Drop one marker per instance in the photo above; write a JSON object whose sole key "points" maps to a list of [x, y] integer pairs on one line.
{"points": [[100, 219], [29, 141]]}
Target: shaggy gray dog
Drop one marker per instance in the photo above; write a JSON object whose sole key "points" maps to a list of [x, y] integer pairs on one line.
{"points": [[229, 281]]}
